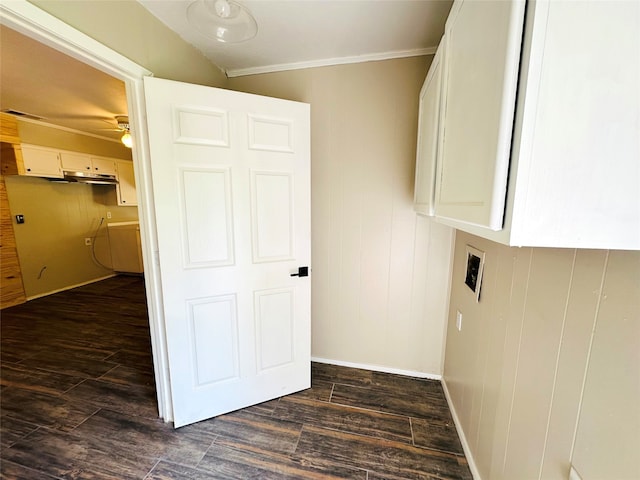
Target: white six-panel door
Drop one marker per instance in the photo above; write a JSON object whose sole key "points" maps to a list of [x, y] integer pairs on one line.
{"points": [[231, 181]]}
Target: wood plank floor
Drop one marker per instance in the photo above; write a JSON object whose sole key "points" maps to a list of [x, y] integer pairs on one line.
{"points": [[78, 402]]}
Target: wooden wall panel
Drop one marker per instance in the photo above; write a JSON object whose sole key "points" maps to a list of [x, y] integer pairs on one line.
{"points": [[608, 436], [571, 364], [11, 288], [554, 329], [549, 281]]}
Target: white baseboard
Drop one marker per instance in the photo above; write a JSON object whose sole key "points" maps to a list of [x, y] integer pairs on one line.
{"points": [[69, 287], [378, 368], [463, 439]]}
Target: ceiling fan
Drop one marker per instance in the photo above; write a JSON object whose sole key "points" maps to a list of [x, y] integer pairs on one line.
{"points": [[62, 118], [123, 126]]}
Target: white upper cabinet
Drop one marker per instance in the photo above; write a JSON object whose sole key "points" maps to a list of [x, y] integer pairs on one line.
{"points": [[83, 162], [78, 162], [482, 53], [126, 191], [570, 174], [427, 149], [41, 161], [104, 166]]}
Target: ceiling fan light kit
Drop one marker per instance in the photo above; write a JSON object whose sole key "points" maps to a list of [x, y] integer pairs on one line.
{"points": [[225, 21], [126, 139], [123, 125]]}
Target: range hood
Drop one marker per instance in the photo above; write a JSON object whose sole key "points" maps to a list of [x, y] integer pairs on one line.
{"points": [[89, 177]]}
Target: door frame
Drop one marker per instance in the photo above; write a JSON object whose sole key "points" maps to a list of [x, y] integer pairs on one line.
{"points": [[35, 23]]}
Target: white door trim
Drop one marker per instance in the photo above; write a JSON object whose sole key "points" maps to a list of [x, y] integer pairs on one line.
{"points": [[30, 20]]}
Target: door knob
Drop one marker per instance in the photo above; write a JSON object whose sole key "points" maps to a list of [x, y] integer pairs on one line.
{"points": [[302, 272]]}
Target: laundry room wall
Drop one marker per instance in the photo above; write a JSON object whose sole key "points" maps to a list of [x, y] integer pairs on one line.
{"points": [[380, 271], [542, 371]]}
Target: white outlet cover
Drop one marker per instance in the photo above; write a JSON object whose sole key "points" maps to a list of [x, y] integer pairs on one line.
{"points": [[573, 474], [459, 320]]}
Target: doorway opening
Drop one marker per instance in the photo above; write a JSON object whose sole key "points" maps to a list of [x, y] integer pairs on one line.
{"points": [[29, 20]]}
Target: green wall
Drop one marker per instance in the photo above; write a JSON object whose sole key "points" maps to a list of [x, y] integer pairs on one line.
{"points": [[58, 217], [128, 28]]}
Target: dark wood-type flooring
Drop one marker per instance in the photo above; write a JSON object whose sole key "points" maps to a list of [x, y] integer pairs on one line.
{"points": [[78, 402]]}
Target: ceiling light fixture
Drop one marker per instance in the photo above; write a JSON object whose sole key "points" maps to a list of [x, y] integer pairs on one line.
{"points": [[123, 126], [126, 139], [226, 21]]}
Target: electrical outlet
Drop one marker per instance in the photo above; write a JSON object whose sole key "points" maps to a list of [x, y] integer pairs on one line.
{"points": [[108, 214], [573, 474], [459, 320], [87, 241]]}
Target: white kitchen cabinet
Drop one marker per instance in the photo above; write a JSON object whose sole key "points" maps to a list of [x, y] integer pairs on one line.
{"points": [[82, 162], [427, 148], [77, 162], [105, 166], [126, 190], [125, 246], [572, 168], [41, 161]]}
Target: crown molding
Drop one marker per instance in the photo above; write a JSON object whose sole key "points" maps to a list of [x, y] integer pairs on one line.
{"points": [[65, 129], [374, 57]]}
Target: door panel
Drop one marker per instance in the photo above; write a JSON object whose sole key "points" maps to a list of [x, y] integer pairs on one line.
{"points": [[201, 126], [272, 216], [275, 313], [274, 134], [230, 173], [214, 336], [207, 209]]}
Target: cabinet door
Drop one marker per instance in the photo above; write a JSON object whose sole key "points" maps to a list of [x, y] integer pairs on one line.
{"points": [[481, 59], [578, 180], [76, 162], [41, 162], [126, 190], [126, 249], [427, 148], [103, 165]]}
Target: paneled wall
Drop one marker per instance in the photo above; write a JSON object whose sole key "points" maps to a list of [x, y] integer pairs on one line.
{"points": [[59, 216], [554, 330], [380, 272]]}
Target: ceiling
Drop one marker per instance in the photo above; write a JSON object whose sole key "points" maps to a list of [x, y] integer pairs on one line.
{"points": [[39, 80], [36, 79], [304, 33]]}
